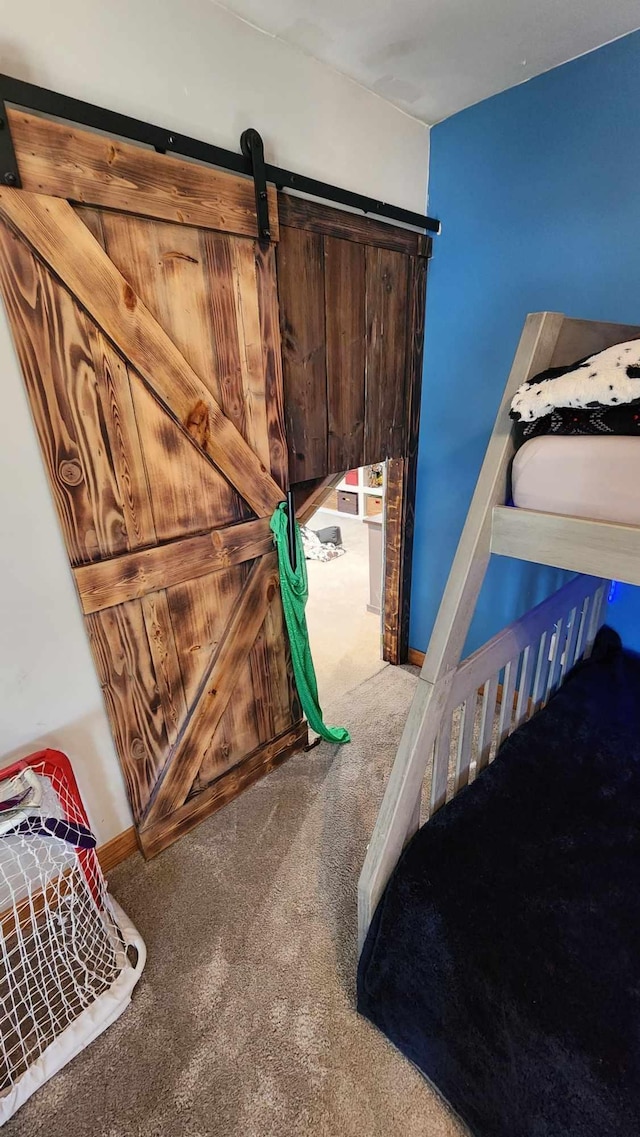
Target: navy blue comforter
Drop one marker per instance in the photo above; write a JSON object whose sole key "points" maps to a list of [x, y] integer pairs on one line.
{"points": [[504, 957]]}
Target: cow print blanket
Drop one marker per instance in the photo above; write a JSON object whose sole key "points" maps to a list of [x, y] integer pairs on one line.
{"points": [[596, 395]]}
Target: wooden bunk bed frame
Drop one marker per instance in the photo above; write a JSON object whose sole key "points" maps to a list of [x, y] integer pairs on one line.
{"points": [[519, 668]]}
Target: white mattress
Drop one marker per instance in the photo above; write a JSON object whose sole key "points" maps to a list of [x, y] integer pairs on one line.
{"points": [[596, 476]]}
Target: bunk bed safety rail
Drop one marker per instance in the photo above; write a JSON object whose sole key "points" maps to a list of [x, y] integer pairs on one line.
{"points": [[458, 725], [505, 682]]}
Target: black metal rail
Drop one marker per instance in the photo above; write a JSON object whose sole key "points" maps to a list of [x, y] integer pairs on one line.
{"points": [[250, 161]]}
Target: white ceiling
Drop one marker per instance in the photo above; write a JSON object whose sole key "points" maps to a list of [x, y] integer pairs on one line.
{"points": [[434, 57]]}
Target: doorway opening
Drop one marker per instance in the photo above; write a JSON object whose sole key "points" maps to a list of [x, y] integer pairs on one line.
{"points": [[344, 549]]}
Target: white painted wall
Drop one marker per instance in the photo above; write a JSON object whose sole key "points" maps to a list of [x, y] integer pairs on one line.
{"points": [[190, 66]]}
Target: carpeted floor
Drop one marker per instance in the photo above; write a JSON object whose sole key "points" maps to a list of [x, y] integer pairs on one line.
{"points": [[243, 1024], [345, 638]]}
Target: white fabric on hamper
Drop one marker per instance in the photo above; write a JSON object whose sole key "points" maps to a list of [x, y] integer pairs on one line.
{"points": [[580, 476]]}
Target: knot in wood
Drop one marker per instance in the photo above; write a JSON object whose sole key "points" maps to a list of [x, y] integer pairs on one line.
{"points": [[138, 750], [198, 423], [71, 472]]}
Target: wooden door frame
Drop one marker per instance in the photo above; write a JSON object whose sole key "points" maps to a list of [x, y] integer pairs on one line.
{"points": [[399, 508], [400, 498]]}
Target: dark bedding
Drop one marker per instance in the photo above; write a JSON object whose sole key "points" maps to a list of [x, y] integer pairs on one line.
{"points": [[569, 420], [504, 957]]}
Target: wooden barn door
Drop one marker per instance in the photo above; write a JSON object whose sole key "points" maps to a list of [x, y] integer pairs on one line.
{"points": [[352, 306], [146, 323]]}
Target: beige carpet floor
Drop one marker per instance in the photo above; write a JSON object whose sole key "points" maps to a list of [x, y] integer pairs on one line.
{"points": [[243, 1024], [345, 639]]}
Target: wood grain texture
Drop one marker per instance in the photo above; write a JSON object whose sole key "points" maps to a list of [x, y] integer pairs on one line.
{"points": [[269, 674], [401, 484], [118, 413], [300, 259], [272, 362], [600, 548], [156, 836], [52, 229], [196, 499], [162, 645], [200, 609], [281, 694], [580, 338], [54, 347], [249, 338], [300, 213], [92, 218], [415, 347], [386, 389], [112, 853], [114, 581], [393, 559], [166, 267], [68, 162], [345, 351], [163, 414], [216, 688], [125, 667]]}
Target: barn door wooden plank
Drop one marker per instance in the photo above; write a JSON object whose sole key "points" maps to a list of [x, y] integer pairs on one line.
{"points": [[157, 619], [386, 382], [61, 239], [396, 644], [112, 380], [268, 674], [54, 347], [272, 361], [302, 213], [273, 684], [104, 584], [394, 560], [200, 611], [216, 688], [200, 286], [166, 266], [301, 278], [345, 309], [68, 162], [247, 315], [200, 498], [345, 330], [125, 666]]}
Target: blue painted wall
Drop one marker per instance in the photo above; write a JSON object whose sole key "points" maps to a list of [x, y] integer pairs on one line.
{"points": [[538, 190]]}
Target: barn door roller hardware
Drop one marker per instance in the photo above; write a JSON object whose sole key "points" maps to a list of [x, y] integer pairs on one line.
{"points": [[30, 97], [253, 149], [9, 173]]}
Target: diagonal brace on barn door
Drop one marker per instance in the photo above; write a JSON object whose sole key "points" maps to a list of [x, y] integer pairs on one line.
{"points": [[59, 238], [218, 684]]}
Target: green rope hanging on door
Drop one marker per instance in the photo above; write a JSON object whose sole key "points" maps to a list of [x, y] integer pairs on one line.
{"points": [[295, 591]]}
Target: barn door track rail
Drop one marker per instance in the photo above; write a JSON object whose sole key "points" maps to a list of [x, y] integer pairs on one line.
{"points": [[250, 161]]}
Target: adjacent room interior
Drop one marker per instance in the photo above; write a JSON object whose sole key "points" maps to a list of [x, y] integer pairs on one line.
{"points": [[319, 685], [346, 581]]}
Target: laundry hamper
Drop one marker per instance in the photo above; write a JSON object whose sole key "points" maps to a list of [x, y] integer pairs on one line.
{"points": [[70, 958]]}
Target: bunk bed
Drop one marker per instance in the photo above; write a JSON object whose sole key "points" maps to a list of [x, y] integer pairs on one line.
{"points": [[452, 905]]}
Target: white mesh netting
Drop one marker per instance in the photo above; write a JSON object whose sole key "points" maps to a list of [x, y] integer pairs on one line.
{"points": [[66, 961]]}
